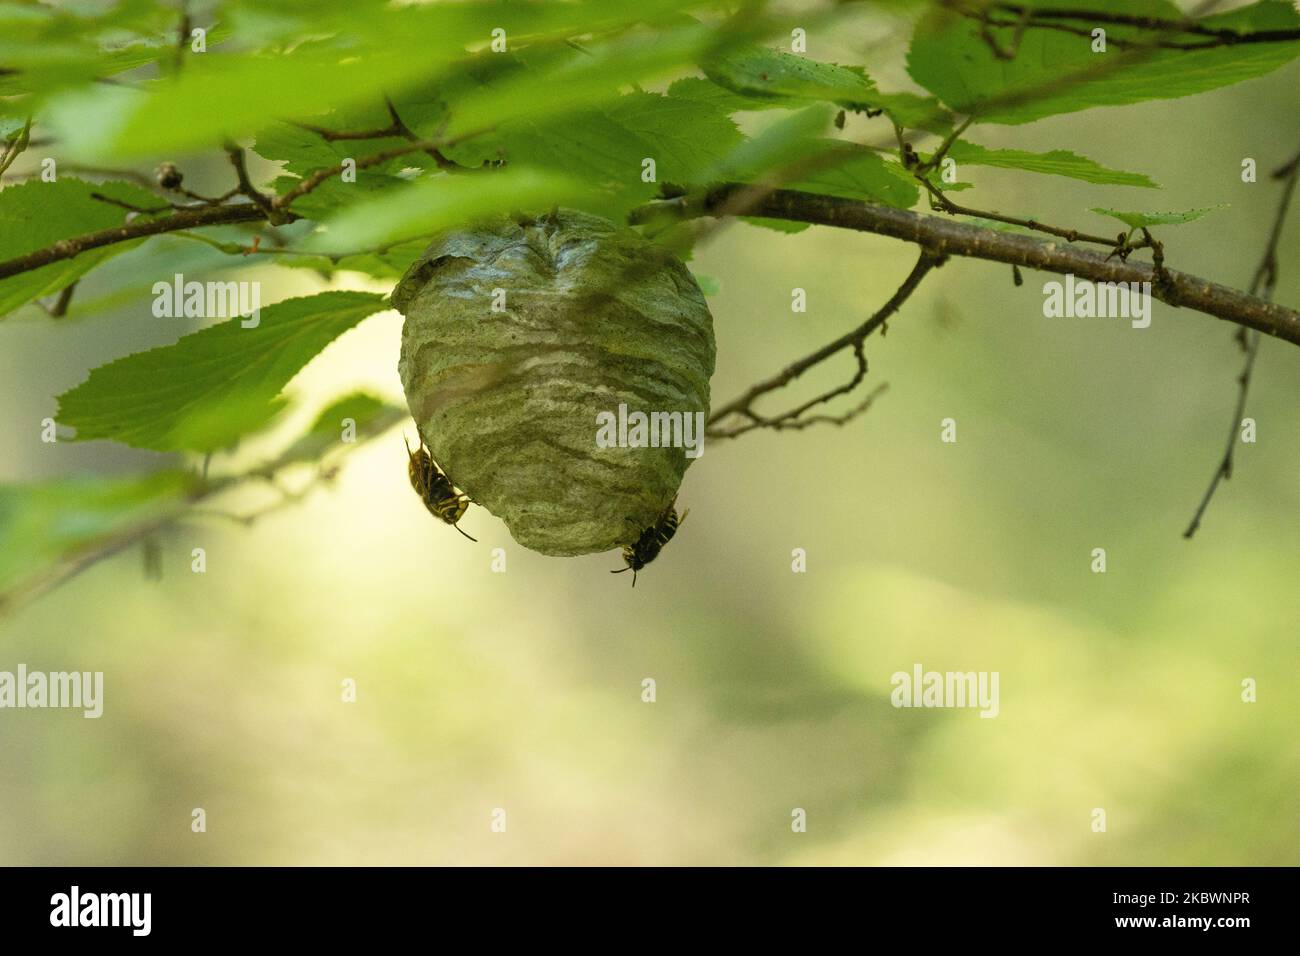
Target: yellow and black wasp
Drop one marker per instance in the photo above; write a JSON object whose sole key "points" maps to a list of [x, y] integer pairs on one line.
{"points": [[651, 541], [434, 488]]}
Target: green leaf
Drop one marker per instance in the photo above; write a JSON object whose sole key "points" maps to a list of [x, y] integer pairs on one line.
{"points": [[1139, 219], [356, 53], [781, 146], [699, 90], [440, 202], [758, 72], [44, 522], [684, 138], [916, 112], [369, 415], [555, 82], [789, 154], [605, 147], [777, 225], [1055, 72], [386, 262], [758, 78], [855, 172], [1058, 162], [36, 214], [210, 388]]}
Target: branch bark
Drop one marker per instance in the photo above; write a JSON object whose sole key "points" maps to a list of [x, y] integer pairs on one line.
{"points": [[945, 237], [267, 209], [137, 229]]}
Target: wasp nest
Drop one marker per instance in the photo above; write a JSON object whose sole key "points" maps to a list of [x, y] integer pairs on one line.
{"points": [[522, 337]]}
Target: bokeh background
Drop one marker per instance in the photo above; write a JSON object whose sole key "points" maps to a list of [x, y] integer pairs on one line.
{"points": [[522, 690]]}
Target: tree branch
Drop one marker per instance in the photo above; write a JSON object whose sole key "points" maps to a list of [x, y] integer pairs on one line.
{"points": [[136, 229], [945, 237]]}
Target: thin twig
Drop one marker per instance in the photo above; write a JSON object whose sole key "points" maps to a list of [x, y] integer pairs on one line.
{"points": [[246, 187], [60, 307], [743, 406], [321, 175], [136, 229], [1263, 283], [396, 128], [944, 204], [947, 144]]}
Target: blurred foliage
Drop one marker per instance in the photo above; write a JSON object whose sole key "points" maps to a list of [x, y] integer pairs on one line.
{"points": [[583, 94]]}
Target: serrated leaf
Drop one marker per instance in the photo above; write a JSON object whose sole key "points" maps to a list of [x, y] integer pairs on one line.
{"points": [[1139, 219], [759, 72], [36, 214], [1058, 162], [1055, 72], [212, 387]]}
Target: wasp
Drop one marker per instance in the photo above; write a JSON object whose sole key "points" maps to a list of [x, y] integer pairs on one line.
{"points": [[434, 488], [651, 541]]}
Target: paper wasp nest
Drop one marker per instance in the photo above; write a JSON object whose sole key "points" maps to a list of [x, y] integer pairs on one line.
{"points": [[519, 333]]}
